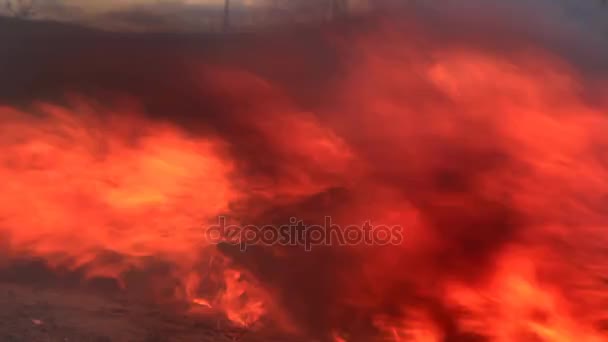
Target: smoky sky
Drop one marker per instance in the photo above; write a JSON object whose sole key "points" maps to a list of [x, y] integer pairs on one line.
{"points": [[44, 61], [37, 56], [180, 15]]}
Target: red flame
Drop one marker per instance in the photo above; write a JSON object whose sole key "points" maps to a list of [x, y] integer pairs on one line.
{"points": [[493, 162], [81, 187]]}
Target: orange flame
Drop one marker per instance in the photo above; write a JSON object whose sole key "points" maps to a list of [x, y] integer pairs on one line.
{"points": [[79, 187], [494, 163]]}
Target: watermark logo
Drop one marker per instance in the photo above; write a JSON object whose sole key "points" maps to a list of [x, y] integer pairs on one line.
{"points": [[297, 233]]}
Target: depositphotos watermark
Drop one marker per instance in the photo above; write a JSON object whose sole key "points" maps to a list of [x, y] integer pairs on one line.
{"points": [[296, 233]]}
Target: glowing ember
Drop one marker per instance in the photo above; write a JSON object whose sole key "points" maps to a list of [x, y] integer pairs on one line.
{"points": [[202, 302]]}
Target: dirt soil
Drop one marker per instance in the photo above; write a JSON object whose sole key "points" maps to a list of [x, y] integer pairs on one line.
{"points": [[31, 313]]}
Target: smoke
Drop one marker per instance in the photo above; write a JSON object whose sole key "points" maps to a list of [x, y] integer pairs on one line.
{"points": [[474, 125]]}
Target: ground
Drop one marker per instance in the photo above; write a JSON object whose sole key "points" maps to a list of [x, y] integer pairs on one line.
{"points": [[33, 313]]}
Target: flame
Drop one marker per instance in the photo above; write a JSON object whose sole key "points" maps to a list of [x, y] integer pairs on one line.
{"points": [[493, 162], [202, 302], [80, 188], [515, 305], [527, 106]]}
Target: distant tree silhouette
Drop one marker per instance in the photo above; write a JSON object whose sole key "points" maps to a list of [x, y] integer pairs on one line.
{"points": [[226, 15], [337, 8], [21, 8]]}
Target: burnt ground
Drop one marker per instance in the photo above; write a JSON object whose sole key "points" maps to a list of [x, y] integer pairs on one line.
{"points": [[34, 313], [41, 305]]}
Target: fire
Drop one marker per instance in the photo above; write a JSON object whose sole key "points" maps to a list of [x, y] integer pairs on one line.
{"points": [[513, 129], [493, 161], [202, 302], [516, 305], [86, 188], [104, 193]]}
